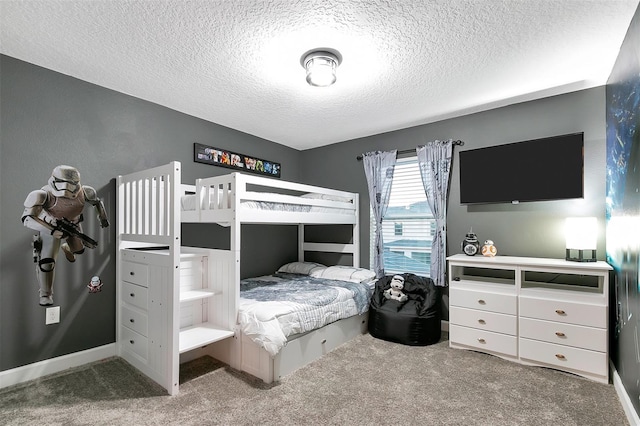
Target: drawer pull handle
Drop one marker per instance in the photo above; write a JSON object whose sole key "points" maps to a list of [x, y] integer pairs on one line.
{"points": [[132, 294], [481, 340], [482, 302], [323, 341], [131, 321], [560, 312], [481, 321], [131, 341], [132, 273], [560, 334], [560, 356]]}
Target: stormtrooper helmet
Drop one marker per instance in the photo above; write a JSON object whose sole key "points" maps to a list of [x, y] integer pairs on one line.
{"points": [[65, 181]]}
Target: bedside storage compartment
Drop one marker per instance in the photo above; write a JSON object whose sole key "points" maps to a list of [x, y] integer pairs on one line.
{"points": [[577, 336], [483, 299], [135, 273], [135, 295], [134, 342], [137, 321], [565, 357], [484, 320], [485, 341], [562, 311]]}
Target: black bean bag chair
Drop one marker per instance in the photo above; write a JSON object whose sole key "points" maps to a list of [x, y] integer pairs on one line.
{"points": [[414, 322]]}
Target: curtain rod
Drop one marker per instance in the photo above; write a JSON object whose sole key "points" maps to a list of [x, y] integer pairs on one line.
{"points": [[407, 151]]}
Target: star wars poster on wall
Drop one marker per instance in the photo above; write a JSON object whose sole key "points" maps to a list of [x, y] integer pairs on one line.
{"points": [[623, 210], [239, 162]]}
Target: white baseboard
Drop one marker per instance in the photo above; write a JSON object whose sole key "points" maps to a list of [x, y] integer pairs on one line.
{"points": [[627, 406], [55, 365]]}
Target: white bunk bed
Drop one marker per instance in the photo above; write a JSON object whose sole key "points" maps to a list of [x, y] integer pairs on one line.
{"points": [[177, 303]]}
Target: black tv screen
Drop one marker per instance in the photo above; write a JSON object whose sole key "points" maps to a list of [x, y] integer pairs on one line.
{"points": [[535, 170]]}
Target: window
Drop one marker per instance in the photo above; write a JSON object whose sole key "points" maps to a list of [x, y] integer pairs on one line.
{"points": [[408, 226], [421, 256]]}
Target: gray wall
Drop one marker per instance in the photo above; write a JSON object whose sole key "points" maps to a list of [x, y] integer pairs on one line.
{"points": [[526, 229], [49, 119]]}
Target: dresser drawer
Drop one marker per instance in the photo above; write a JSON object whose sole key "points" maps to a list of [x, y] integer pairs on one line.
{"points": [[594, 339], [135, 295], [135, 320], [484, 300], [137, 273], [490, 321], [562, 311], [565, 357], [134, 342], [483, 340]]}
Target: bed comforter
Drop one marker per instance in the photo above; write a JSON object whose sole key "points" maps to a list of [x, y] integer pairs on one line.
{"points": [[274, 307]]}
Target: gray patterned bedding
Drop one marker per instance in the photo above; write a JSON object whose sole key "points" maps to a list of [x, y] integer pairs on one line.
{"points": [[274, 307]]}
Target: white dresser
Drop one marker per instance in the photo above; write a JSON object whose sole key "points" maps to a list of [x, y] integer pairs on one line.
{"points": [[536, 311]]}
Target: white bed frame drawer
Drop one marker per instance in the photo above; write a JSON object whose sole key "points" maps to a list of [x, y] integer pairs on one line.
{"points": [[562, 311], [135, 273], [135, 320], [135, 295], [565, 357], [485, 340], [483, 300], [134, 342], [594, 339], [484, 320]]}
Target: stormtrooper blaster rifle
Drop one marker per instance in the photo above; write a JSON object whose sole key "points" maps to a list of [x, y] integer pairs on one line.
{"points": [[69, 228]]}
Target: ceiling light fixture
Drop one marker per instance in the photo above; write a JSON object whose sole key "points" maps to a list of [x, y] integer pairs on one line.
{"points": [[321, 65]]}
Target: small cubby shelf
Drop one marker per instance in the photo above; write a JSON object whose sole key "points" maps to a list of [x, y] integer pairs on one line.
{"points": [[193, 295], [536, 311], [203, 334]]}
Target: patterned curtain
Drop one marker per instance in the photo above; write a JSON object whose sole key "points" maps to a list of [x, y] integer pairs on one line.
{"points": [[434, 160], [378, 168]]}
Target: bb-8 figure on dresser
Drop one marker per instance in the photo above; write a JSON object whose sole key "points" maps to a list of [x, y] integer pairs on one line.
{"points": [[55, 211], [488, 249]]}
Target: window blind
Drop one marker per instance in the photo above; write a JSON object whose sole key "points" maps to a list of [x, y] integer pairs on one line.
{"points": [[408, 226]]}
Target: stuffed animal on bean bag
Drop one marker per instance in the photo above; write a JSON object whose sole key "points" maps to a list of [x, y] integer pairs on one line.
{"points": [[395, 291]]}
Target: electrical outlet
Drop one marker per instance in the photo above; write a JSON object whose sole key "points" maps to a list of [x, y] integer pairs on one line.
{"points": [[53, 315]]}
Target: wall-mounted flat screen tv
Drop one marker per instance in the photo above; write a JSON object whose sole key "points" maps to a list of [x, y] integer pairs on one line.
{"points": [[536, 170]]}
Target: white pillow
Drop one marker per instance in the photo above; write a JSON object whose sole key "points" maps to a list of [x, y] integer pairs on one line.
{"points": [[345, 273], [305, 268], [327, 197]]}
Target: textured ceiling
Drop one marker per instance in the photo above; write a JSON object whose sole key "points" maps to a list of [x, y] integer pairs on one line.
{"points": [[405, 63]]}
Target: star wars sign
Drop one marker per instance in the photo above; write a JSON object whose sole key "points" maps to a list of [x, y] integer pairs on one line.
{"points": [[239, 162]]}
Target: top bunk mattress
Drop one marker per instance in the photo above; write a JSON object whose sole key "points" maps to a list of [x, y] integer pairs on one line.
{"points": [[188, 202]]}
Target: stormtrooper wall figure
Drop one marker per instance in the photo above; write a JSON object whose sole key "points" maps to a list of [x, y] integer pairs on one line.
{"points": [[55, 211]]}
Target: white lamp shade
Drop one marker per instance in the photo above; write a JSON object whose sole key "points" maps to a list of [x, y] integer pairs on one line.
{"points": [[581, 233]]}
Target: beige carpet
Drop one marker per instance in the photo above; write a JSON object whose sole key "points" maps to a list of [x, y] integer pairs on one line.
{"points": [[364, 382]]}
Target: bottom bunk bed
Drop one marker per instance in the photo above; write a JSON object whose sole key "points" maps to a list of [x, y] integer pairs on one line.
{"points": [[287, 320], [299, 351]]}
